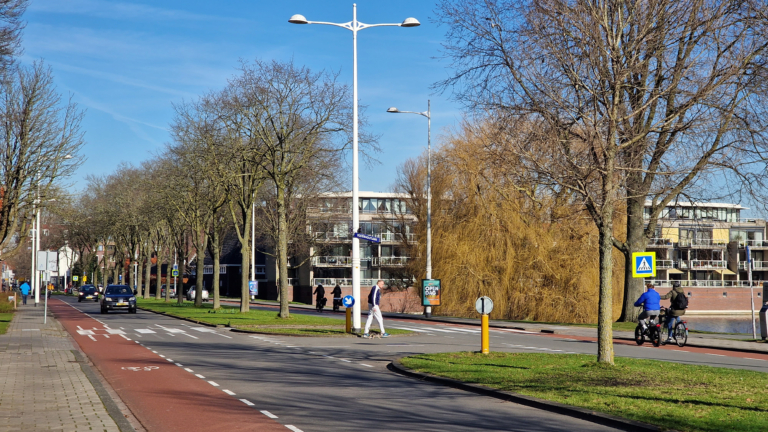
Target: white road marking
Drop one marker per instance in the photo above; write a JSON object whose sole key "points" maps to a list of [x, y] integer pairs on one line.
{"points": [[80, 328], [366, 365], [203, 329], [138, 342], [293, 428], [517, 331], [247, 402], [193, 337], [465, 330], [161, 355], [85, 332], [144, 331], [213, 383], [179, 364], [231, 393], [117, 332], [347, 361], [719, 355], [189, 370], [169, 360], [106, 336], [154, 352], [199, 376], [266, 413], [125, 337], [412, 329], [92, 338]]}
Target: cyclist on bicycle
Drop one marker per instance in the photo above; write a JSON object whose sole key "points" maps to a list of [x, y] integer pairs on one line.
{"points": [[673, 313], [650, 301]]}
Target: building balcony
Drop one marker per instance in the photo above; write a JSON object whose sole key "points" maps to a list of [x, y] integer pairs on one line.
{"points": [[702, 244], [665, 264], [341, 282], [703, 265], [332, 261], [756, 265], [656, 243], [390, 261], [704, 283], [754, 244]]}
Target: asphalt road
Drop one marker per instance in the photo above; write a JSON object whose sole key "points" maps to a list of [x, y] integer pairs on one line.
{"points": [[342, 384]]}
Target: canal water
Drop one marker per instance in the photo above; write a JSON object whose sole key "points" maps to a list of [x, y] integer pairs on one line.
{"points": [[723, 323]]}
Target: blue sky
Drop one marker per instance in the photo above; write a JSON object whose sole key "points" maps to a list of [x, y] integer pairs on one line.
{"points": [[126, 63]]}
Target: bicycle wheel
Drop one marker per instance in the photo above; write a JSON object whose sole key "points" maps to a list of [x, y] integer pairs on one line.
{"points": [[655, 336], [664, 333], [639, 337], [681, 334]]}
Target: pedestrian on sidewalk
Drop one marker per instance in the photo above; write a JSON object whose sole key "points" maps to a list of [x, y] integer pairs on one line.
{"points": [[374, 300], [24, 291]]}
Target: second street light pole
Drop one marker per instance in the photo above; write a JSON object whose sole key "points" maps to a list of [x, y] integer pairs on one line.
{"points": [[428, 115], [355, 26]]}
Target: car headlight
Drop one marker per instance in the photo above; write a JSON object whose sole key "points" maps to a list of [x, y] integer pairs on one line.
{"points": [[132, 299], [108, 298], [79, 293]]}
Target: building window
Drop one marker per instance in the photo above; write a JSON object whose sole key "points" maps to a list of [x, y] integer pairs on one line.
{"points": [[45, 232], [725, 294]]}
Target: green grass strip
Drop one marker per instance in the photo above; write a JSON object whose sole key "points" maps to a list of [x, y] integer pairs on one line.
{"points": [[5, 321], [677, 396]]}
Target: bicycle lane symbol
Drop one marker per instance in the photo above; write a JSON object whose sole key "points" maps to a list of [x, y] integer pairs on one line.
{"points": [[139, 368]]}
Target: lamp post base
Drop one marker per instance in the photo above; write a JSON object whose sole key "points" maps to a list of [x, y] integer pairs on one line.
{"points": [[428, 312]]}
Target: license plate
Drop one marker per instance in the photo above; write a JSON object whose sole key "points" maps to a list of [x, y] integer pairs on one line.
{"points": [[122, 304], [89, 297]]}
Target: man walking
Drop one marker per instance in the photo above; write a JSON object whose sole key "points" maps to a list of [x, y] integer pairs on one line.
{"points": [[24, 291], [374, 299]]}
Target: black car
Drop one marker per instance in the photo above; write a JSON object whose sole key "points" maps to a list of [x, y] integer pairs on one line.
{"points": [[87, 292], [118, 297]]}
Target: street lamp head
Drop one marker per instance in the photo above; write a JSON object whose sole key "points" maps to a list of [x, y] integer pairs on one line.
{"points": [[410, 22], [299, 19], [393, 110]]}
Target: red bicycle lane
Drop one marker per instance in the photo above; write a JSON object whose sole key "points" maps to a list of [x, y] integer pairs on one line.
{"points": [[161, 395]]}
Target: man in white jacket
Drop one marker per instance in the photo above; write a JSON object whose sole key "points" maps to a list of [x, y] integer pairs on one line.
{"points": [[374, 299]]}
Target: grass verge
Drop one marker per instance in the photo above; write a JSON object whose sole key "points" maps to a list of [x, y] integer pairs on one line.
{"points": [[5, 321], [677, 396], [260, 321]]}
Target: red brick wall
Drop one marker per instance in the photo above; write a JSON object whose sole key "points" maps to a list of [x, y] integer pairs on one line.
{"points": [[407, 301], [704, 300]]}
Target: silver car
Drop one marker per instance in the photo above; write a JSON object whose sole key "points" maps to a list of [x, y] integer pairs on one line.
{"points": [[191, 294]]}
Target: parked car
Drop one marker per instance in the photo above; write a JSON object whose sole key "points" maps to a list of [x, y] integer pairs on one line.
{"points": [[87, 292], [118, 297], [162, 292], [191, 294]]}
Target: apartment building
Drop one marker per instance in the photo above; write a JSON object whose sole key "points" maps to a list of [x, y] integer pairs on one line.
{"points": [[704, 247]]}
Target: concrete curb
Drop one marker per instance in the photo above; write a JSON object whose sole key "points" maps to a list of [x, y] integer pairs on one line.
{"points": [[183, 319], [555, 407]]}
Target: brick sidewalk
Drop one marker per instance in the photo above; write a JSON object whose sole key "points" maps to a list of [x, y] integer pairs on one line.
{"points": [[42, 384]]}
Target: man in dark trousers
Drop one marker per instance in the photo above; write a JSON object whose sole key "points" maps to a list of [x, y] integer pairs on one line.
{"points": [[24, 291], [374, 299], [320, 293], [674, 312], [336, 297]]}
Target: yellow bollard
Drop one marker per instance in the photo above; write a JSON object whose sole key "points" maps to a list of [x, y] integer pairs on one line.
{"points": [[484, 335], [349, 320]]}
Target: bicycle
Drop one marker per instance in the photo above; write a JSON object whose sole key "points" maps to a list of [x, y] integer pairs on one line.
{"points": [[679, 332], [653, 331]]}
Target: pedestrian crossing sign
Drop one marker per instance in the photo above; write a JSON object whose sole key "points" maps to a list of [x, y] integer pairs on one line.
{"points": [[643, 264]]}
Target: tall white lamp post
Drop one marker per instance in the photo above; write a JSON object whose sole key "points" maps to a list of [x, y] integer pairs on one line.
{"points": [[428, 115], [355, 26]]}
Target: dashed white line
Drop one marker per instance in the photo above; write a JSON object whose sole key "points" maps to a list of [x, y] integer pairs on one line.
{"points": [[366, 365], [193, 337], [189, 370], [199, 376], [719, 355], [213, 383], [125, 337], [293, 428], [266, 413], [161, 355], [179, 364], [94, 339], [231, 393], [247, 402], [345, 360]]}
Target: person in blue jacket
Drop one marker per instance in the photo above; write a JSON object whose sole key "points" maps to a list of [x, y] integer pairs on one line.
{"points": [[24, 291], [651, 303]]}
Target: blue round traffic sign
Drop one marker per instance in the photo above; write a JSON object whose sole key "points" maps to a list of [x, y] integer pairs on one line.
{"points": [[348, 301]]}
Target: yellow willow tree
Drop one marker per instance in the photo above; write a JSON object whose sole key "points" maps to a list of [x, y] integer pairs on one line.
{"points": [[532, 249]]}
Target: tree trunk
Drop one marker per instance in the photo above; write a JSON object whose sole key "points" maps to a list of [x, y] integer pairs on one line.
{"points": [[200, 261], [159, 271], [636, 242], [140, 277], [605, 308], [282, 251], [245, 251], [148, 276], [180, 290], [216, 259]]}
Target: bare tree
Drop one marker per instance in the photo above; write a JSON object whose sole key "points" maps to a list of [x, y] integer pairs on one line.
{"points": [[11, 27], [611, 100]]}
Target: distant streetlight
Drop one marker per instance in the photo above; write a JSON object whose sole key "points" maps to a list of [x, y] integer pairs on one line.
{"points": [[355, 26], [428, 115]]}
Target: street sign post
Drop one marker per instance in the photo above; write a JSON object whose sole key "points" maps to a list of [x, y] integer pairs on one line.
{"points": [[174, 273], [431, 292], [348, 302], [643, 264], [484, 306], [253, 288], [367, 237]]}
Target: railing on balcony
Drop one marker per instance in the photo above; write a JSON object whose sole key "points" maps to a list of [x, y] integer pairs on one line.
{"points": [[705, 283], [332, 261], [332, 236], [754, 243], [660, 242], [701, 243], [704, 264], [749, 220], [757, 265], [341, 282], [665, 264], [390, 261]]}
